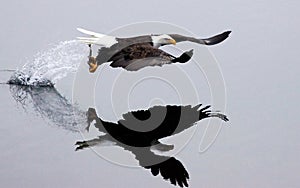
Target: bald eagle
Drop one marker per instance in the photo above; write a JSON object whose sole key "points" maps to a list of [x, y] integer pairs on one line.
{"points": [[138, 52]]}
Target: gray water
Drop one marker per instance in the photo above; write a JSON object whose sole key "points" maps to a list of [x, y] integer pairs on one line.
{"points": [[258, 147]]}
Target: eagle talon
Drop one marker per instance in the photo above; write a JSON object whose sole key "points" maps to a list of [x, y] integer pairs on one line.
{"points": [[92, 61], [93, 65]]}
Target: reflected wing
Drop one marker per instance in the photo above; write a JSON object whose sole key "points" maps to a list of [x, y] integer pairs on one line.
{"points": [[171, 169], [208, 41]]}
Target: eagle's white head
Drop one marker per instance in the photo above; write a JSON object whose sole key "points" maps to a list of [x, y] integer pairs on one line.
{"points": [[160, 40]]}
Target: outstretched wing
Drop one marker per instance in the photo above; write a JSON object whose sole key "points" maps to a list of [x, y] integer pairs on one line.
{"points": [[208, 41]]}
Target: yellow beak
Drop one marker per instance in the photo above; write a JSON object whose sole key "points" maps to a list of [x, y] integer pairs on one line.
{"points": [[172, 41]]}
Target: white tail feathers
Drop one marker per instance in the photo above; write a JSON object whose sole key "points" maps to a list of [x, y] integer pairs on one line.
{"points": [[91, 33], [88, 40], [97, 38]]}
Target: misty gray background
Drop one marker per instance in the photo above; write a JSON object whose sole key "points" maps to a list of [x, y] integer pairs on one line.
{"points": [[260, 145]]}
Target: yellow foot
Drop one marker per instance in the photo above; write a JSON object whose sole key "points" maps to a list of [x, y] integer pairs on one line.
{"points": [[93, 64]]}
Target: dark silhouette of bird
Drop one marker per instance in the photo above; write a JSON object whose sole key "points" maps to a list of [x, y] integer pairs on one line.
{"points": [[141, 130]]}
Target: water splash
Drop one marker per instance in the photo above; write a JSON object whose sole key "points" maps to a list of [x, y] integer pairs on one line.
{"points": [[52, 65]]}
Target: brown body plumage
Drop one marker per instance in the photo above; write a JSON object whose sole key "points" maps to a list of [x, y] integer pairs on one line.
{"points": [[137, 56]]}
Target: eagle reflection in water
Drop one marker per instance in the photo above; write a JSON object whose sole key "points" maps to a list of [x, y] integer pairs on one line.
{"points": [[137, 132], [124, 134]]}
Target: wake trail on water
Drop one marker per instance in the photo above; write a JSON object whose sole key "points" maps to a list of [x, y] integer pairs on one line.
{"points": [[51, 65]]}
